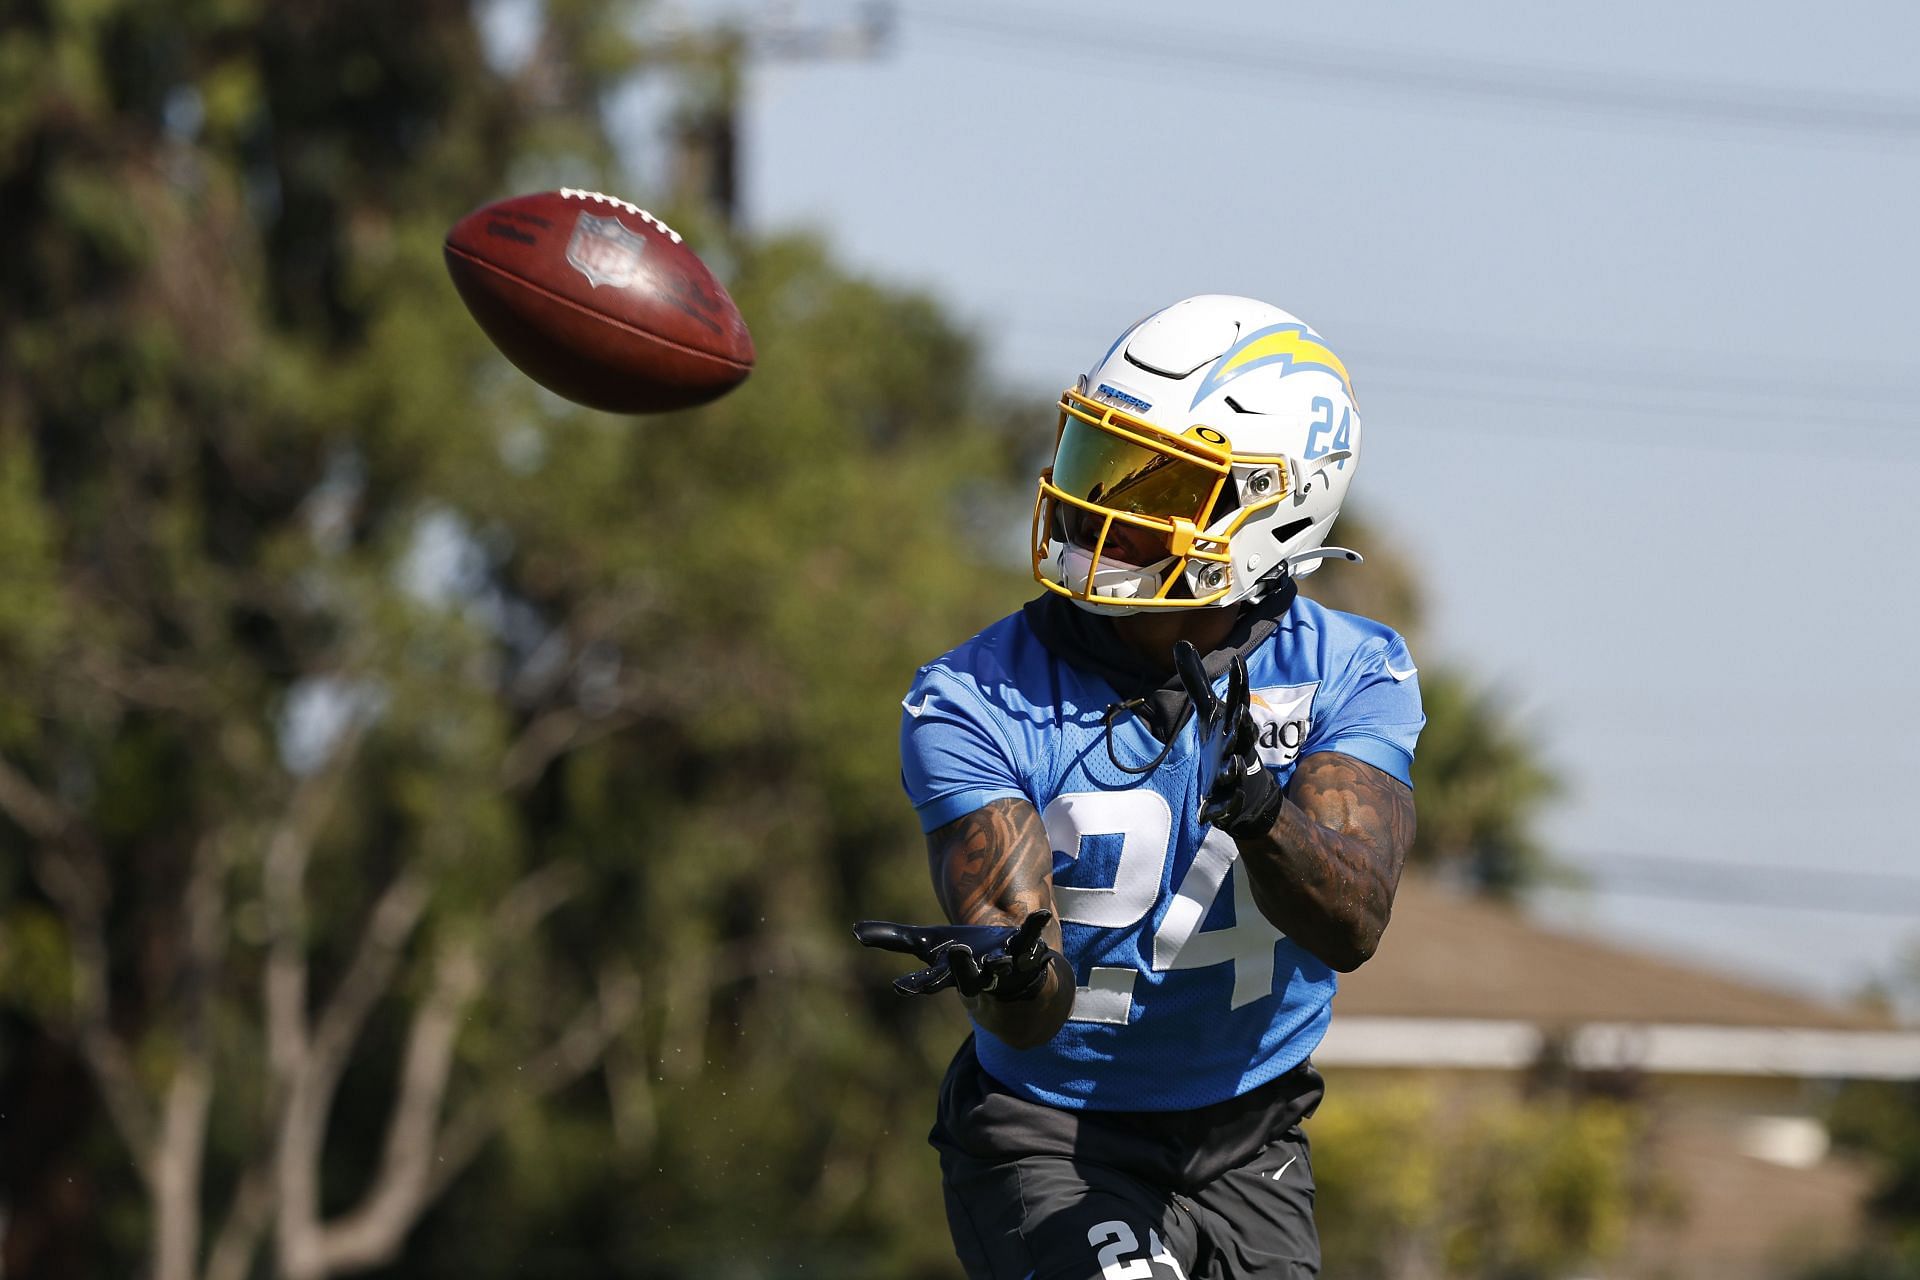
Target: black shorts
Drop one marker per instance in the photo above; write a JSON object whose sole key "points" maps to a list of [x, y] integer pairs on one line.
{"points": [[1221, 1193]]}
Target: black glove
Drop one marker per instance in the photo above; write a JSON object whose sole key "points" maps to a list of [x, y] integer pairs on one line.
{"points": [[1238, 794], [978, 959]]}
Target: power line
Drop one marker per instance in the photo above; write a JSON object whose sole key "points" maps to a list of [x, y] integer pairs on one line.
{"points": [[1551, 395], [1523, 390], [1752, 884], [1647, 98], [1726, 378], [1609, 370], [1855, 399], [1636, 388]]}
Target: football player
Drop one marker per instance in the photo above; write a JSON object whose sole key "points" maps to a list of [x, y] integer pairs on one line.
{"points": [[1164, 802]]}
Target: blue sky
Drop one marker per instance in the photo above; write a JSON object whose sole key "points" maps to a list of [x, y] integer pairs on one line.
{"points": [[1627, 294]]}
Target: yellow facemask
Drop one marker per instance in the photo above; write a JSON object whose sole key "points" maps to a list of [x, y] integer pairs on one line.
{"points": [[1127, 495]]}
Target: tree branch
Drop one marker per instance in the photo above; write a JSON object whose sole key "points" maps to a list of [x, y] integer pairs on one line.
{"points": [[301, 1103], [563, 729], [175, 1170], [582, 1045], [178, 1157], [629, 1079], [232, 1255], [283, 892], [373, 1231], [535, 897], [162, 688], [72, 874], [370, 974], [100, 1046], [33, 810], [283, 877], [554, 734]]}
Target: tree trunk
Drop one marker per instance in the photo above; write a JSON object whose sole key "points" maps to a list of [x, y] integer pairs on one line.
{"points": [[174, 1174]]}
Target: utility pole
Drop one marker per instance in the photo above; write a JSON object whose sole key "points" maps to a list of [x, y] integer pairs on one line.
{"points": [[705, 127]]}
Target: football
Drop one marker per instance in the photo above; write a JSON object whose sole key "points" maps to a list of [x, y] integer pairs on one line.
{"points": [[599, 301]]}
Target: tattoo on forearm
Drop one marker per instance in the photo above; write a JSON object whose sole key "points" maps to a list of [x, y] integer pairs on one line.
{"points": [[995, 866], [1327, 872], [992, 866]]}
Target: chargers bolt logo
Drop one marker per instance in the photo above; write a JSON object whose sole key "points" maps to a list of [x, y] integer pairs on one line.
{"points": [[1292, 346]]}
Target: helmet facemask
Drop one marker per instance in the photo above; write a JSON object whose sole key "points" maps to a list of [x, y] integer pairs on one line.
{"points": [[1132, 517]]}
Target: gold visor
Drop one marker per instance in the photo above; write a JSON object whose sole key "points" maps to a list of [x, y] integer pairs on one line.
{"points": [[1133, 494], [1108, 469]]}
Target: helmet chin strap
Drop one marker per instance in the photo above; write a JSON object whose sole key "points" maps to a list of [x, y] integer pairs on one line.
{"points": [[1266, 585]]}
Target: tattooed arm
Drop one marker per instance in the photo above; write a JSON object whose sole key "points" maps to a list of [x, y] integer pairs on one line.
{"points": [[1326, 871], [993, 866]]}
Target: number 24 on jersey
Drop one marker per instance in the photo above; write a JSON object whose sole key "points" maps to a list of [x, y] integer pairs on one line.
{"points": [[1144, 824]]}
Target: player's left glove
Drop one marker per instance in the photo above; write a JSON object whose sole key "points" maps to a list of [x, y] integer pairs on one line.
{"points": [[976, 959], [1237, 793]]}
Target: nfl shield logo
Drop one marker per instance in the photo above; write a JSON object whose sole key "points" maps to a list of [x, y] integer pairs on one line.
{"points": [[605, 252]]}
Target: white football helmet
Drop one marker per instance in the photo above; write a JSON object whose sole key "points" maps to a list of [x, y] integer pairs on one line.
{"points": [[1199, 463]]}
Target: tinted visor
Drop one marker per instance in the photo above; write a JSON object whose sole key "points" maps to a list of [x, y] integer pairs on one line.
{"points": [[1120, 473]]}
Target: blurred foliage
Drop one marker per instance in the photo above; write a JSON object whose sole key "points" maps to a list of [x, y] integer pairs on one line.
{"points": [[271, 509], [1409, 1185], [1881, 1120]]}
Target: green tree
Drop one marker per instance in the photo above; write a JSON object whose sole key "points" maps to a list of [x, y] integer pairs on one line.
{"points": [[1516, 1190], [389, 749], [406, 779], [1880, 1119]]}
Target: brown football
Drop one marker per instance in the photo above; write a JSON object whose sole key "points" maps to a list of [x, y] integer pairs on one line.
{"points": [[599, 301]]}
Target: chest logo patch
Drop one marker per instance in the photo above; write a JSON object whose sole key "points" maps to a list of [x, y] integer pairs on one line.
{"points": [[1284, 715]]}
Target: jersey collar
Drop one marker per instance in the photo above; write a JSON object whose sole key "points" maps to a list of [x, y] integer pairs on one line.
{"points": [[1087, 642]]}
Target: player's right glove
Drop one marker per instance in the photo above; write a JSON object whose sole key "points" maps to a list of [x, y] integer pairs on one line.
{"points": [[976, 959]]}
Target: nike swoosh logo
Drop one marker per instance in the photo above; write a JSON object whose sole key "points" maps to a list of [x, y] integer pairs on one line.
{"points": [[913, 710], [1275, 1175], [1408, 674]]}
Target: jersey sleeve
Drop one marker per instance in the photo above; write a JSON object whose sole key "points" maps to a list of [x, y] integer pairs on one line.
{"points": [[1375, 715], [953, 757]]}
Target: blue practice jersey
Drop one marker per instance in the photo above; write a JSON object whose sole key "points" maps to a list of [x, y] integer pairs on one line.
{"points": [[1187, 995]]}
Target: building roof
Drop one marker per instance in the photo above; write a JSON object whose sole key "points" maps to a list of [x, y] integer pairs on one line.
{"points": [[1449, 955], [1465, 984]]}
